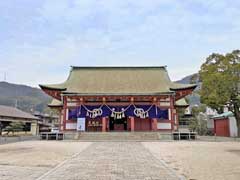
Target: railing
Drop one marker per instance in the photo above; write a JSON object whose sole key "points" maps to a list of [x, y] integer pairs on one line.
{"points": [[51, 136], [12, 139], [184, 124], [184, 135]]}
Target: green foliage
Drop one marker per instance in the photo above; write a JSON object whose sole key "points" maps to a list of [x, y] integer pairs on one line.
{"points": [[199, 121], [199, 125], [14, 127], [180, 111], [220, 76], [199, 109]]}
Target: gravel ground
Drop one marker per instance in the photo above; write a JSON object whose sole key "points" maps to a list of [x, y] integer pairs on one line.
{"points": [[200, 160], [30, 159]]}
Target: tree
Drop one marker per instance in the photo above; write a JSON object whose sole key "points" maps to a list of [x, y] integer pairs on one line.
{"points": [[1, 127], [199, 121], [220, 76], [14, 127], [199, 124]]}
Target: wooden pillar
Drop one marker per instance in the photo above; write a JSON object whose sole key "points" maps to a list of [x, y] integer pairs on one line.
{"points": [[172, 109], [154, 120], [60, 119], [154, 124], [64, 112], [104, 124], [132, 123]]}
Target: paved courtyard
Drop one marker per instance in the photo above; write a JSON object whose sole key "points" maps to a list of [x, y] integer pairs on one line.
{"points": [[113, 160], [53, 160], [98, 160]]}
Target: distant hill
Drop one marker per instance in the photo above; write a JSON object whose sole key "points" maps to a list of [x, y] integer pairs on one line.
{"points": [[27, 98], [193, 99]]}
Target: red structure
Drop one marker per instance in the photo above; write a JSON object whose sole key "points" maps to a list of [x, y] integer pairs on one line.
{"points": [[221, 127], [225, 124], [118, 99]]}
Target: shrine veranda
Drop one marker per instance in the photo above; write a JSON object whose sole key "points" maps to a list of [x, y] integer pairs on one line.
{"points": [[103, 99]]}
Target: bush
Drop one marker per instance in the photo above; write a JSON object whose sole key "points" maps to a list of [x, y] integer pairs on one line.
{"points": [[199, 124], [14, 127]]}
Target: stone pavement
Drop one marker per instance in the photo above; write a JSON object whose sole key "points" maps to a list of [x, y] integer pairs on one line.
{"points": [[112, 161]]}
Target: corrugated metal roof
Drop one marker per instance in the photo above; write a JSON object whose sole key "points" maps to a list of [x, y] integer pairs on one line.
{"points": [[118, 80], [8, 111], [223, 115]]}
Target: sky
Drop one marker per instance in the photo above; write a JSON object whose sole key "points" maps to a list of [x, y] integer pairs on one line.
{"points": [[41, 39]]}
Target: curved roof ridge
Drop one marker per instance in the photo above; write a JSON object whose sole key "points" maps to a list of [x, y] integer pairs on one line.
{"points": [[118, 67]]}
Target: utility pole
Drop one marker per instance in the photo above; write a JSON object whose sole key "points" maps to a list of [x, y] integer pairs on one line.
{"points": [[5, 77], [16, 103]]}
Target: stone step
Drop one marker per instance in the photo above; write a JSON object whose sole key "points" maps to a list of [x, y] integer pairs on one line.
{"points": [[118, 136]]}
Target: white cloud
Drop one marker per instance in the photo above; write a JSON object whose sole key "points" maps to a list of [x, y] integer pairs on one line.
{"points": [[180, 34]]}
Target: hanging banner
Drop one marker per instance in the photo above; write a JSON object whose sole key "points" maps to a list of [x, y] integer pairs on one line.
{"points": [[142, 111], [81, 124]]}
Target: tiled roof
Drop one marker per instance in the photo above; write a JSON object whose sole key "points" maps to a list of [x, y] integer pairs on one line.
{"points": [[55, 103], [7, 111], [181, 102], [118, 80]]}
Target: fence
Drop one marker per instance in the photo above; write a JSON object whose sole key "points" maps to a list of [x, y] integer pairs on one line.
{"points": [[8, 139]]}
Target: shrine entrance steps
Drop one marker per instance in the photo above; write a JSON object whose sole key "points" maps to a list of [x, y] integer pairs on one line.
{"points": [[118, 136]]}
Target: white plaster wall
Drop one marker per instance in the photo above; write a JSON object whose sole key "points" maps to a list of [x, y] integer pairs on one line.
{"points": [[72, 104], [233, 126], [210, 123], [164, 125], [164, 103], [187, 111], [71, 125]]}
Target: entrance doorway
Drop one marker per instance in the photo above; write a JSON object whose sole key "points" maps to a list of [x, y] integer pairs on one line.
{"points": [[117, 124]]}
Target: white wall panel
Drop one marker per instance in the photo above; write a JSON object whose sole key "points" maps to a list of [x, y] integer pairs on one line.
{"points": [[71, 125], [164, 125]]}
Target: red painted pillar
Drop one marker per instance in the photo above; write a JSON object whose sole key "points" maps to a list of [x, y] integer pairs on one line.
{"points": [[154, 124], [104, 123], [60, 120], [64, 112], [172, 109], [132, 123]]}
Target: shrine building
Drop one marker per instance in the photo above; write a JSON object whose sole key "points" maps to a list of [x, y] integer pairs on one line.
{"points": [[118, 99]]}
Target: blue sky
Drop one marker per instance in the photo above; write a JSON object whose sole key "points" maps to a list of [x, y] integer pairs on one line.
{"points": [[41, 39]]}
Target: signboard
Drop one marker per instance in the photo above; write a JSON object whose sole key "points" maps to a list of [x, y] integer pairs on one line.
{"points": [[81, 124]]}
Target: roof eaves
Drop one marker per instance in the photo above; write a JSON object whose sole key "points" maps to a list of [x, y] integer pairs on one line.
{"points": [[51, 88], [183, 88], [118, 94], [53, 105], [20, 117]]}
